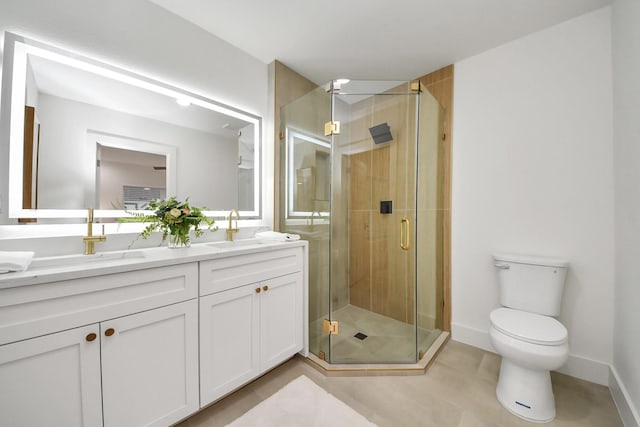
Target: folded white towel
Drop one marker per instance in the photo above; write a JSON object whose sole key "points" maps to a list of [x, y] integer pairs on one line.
{"points": [[274, 235], [15, 260]]}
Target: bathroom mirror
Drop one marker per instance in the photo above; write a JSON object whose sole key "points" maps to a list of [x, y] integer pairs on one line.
{"points": [[83, 133], [308, 175]]}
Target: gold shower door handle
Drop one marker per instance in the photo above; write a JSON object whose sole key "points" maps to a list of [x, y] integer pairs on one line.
{"points": [[405, 243]]}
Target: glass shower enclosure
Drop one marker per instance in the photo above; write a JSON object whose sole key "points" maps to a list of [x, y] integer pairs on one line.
{"points": [[361, 180]]}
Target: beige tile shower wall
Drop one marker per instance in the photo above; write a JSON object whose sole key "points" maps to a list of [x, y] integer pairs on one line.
{"points": [[380, 272], [429, 302], [440, 84], [341, 220]]}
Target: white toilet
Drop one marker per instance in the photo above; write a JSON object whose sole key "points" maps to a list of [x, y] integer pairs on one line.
{"points": [[523, 331]]}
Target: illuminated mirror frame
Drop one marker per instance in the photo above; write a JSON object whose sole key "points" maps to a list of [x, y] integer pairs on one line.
{"points": [[16, 50]]}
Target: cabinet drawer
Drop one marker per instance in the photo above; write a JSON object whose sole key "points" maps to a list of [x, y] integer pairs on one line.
{"points": [[30, 311], [226, 273]]}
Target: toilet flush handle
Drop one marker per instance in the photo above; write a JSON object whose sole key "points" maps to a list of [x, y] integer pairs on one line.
{"points": [[502, 265]]}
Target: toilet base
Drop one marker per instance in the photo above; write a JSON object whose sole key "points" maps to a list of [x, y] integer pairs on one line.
{"points": [[526, 393]]}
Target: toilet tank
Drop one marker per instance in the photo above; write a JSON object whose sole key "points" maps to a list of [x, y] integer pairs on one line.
{"points": [[531, 283]]}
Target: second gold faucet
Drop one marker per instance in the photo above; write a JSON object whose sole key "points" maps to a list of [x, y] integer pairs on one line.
{"points": [[230, 229], [90, 240]]}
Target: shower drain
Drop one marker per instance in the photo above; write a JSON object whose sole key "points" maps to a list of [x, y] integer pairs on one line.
{"points": [[360, 336]]}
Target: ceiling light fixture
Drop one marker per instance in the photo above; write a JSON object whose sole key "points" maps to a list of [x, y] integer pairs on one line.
{"points": [[183, 102], [342, 81]]}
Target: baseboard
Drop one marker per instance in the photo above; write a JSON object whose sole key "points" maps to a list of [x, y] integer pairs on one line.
{"points": [[475, 337], [628, 412], [576, 366], [586, 369]]}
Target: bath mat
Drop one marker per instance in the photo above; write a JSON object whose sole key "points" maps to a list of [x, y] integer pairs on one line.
{"points": [[301, 403]]}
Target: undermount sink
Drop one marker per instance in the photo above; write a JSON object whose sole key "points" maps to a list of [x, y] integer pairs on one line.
{"points": [[69, 260], [237, 244]]}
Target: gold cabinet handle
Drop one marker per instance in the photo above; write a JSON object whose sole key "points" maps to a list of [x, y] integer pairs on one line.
{"points": [[265, 288], [405, 243], [109, 332], [90, 337], [258, 290]]}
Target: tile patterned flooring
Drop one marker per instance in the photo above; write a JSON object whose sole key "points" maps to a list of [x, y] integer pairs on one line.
{"points": [[457, 390], [388, 340]]}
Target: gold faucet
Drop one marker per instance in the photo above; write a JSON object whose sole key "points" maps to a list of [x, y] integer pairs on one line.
{"points": [[231, 230], [90, 240]]}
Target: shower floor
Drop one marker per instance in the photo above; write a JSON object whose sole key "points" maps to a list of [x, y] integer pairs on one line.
{"points": [[388, 340]]}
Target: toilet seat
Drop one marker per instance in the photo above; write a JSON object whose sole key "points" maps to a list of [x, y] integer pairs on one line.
{"points": [[529, 327]]}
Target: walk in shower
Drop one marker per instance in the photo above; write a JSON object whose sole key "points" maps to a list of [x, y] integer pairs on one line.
{"points": [[361, 178]]}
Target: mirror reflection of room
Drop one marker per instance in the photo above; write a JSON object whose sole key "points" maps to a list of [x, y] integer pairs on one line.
{"points": [[67, 109], [309, 168], [128, 179], [200, 149]]}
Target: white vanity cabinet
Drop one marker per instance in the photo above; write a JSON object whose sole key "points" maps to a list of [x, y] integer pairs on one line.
{"points": [[251, 317], [52, 380], [229, 341], [280, 319], [150, 366], [147, 344], [132, 370]]}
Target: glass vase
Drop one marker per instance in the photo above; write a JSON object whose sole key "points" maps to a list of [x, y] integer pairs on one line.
{"points": [[177, 241]]}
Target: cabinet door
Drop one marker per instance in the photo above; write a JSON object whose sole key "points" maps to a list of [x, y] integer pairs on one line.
{"points": [[53, 380], [280, 319], [150, 366], [229, 330]]}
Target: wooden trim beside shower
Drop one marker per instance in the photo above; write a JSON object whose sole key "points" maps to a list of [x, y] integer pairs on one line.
{"points": [[440, 84]]}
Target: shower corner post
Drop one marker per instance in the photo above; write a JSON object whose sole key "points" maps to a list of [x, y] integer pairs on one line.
{"points": [[416, 86]]}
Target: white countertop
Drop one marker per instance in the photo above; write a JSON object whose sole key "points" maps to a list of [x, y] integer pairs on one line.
{"points": [[68, 267]]}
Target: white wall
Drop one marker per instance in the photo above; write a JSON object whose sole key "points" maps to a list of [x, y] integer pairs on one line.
{"points": [[626, 131], [144, 38], [533, 173]]}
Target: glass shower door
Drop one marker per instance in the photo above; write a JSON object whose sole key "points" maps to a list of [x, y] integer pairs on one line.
{"points": [[305, 196], [373, 222]]}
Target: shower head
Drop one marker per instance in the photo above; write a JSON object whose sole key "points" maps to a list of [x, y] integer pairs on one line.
{"points": [[381, 133]]}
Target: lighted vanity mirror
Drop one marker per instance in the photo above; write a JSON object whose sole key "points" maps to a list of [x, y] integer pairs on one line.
{"points": [[308, 175], [87, 134]]}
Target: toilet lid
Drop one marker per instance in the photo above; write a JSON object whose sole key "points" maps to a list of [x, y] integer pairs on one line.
{"points": [[529, 327]]}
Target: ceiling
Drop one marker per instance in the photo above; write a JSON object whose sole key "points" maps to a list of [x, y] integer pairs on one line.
{"points": [[372, 39]]}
